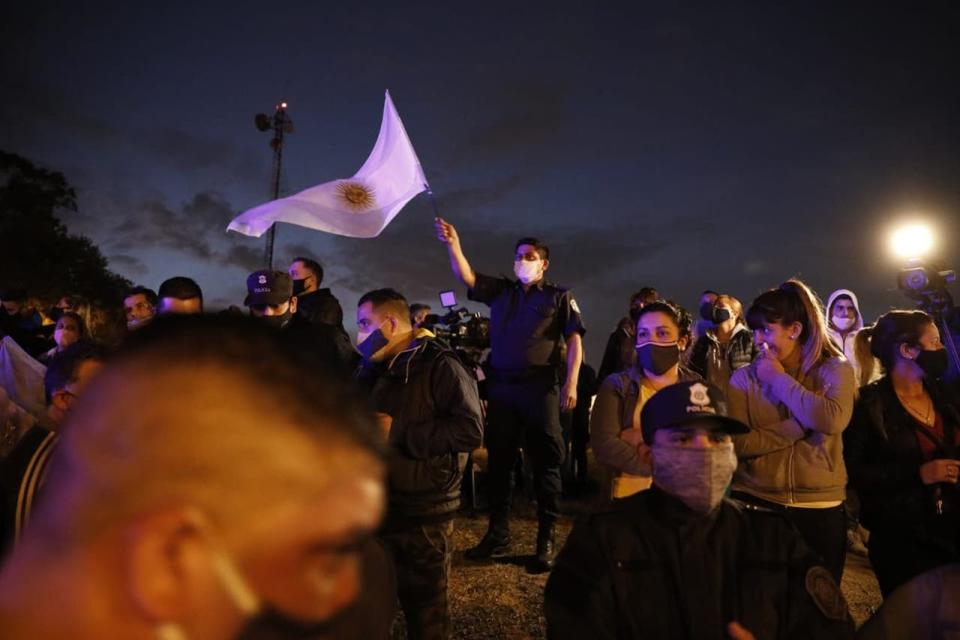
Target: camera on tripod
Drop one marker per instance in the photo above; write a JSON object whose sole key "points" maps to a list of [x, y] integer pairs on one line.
{"points": [[927, 286], [468, 333]]}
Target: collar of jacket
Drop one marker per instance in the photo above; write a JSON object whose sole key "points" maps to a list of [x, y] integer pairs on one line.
{"points": [[736, 330], [635, 374], [673, 513], [405, 361], [540, 284]]}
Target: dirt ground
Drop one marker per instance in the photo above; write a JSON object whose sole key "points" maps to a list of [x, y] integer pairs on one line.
{"points": [[502, 600]]}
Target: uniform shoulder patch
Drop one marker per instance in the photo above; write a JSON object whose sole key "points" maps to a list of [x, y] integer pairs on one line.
{"points": [[826, 594], [574, 306]]}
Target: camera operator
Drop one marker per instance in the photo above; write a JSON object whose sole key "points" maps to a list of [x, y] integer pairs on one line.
{"points": [[427, 403], [529, 320]]}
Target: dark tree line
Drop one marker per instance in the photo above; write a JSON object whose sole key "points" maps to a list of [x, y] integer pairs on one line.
{"points": [[37, 252]]}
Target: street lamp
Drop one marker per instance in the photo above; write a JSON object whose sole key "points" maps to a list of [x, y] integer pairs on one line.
{"points": [[912, 241]]}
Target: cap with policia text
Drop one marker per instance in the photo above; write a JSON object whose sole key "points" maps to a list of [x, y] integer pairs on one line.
{"points": [[268, 287], [687, 402]]}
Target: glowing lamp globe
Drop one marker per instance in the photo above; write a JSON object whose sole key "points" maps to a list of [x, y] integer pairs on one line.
{"points": [[912, 241]]}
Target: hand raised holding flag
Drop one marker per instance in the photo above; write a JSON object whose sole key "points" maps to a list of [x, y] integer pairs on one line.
{"points": [[447, 234]]}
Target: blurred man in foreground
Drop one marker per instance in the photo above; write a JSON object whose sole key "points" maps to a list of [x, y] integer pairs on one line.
{"points": [[207, 482]]}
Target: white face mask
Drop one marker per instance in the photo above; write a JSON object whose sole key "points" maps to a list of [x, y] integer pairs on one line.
{"points": [[528, 271], [843, 323], [697, 477]]}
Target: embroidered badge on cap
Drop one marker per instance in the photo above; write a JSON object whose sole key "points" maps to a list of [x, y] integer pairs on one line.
{"points": [[699, 395], [262, 279], [826, 594]]}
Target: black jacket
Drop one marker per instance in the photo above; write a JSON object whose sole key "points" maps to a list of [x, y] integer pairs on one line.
{"points": [[322, 345], [620, 353], [883, 459], [740, 351], [437, 422], [320, 306], [648, 567]]}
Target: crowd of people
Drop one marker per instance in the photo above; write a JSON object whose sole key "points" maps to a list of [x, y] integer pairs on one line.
{"points": [[259, 474]]}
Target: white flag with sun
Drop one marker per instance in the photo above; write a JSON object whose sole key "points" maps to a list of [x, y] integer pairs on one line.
{"points": [[359, 207]]}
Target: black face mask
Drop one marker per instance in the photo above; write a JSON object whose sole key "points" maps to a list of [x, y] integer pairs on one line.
{"points": [[933, 363], [658, 358], [272, 623], [371, 344], [714, 314], [277, 322], [299, 286]]}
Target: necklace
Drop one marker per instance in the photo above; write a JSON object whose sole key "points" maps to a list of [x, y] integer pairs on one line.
{"points": [[923, 416]]}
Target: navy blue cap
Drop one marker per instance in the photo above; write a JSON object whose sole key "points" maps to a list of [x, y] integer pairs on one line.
{"points": [[268, 287], [687, 402]]}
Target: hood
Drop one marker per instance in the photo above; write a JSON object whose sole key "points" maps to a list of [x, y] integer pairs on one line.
{"points": [[424, 347], [856, 305]]}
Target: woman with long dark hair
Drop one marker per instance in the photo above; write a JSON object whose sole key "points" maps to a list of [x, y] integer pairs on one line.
{"points": [[902, 450], [797, 397], [662, 333]]}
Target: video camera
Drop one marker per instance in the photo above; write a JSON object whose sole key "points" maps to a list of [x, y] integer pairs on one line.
{"points": [[927, 287], [468, 333]]}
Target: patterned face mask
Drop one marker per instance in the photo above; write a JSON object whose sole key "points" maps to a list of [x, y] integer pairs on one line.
{"points": [[697, 477]]}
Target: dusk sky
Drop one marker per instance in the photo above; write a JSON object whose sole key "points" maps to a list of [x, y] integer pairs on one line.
{"points": [[727, 147]]}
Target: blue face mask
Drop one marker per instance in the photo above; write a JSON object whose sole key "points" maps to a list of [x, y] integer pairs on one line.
{"points": [[372, 344]]}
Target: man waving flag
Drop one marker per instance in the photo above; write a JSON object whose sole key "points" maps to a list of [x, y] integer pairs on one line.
{"points": [[359, 207]]}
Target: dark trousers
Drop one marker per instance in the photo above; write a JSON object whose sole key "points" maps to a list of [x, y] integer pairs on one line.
{"points": [[824, 530], [523, 414], [421, 555], [899, 555], [580, 437]]}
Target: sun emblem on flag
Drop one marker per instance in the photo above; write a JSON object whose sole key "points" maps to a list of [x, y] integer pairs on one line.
{"points": [[356, 195]]}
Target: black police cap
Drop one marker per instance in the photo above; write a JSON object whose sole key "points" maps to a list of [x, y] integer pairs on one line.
{"points": [[687, 402]]}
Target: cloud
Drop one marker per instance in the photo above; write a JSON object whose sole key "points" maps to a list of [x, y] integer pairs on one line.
{"points": [[127, 265], [35, 110], [196, 229], [527, 115], [471, 198]]}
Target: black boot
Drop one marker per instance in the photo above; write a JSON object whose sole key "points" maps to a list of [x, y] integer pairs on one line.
{"points": [[491, 545], [546, 548]]}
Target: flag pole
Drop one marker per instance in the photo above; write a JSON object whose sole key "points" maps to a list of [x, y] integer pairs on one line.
{"points": [[433, 200]]}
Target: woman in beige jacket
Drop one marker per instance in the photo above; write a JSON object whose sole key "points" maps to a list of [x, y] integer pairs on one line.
{"points": [[663, 331], [797, 397]]}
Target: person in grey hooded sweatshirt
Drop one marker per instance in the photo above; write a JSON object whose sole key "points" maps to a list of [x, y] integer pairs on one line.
{"points": [[844, 321]]}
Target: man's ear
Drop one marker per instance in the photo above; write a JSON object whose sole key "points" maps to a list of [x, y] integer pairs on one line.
{"points": [[546, 264], [293, 304], [646, 454], [167, 560]]}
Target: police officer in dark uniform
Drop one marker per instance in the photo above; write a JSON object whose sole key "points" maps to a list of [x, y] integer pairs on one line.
{"points": [[529, 319], [679, 560]]}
